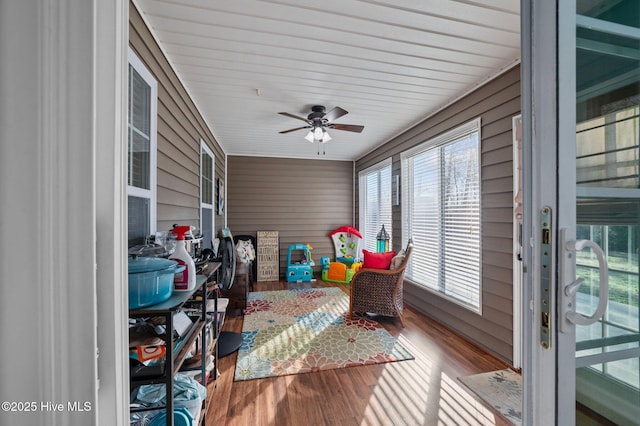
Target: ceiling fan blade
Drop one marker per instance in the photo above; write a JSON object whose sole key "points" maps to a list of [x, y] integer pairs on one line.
{"points": [[347, 127], [297, 128], [293, 116], [335, 113]]}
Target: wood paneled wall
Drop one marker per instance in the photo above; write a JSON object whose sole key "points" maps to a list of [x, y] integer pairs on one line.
{"points": [[180, 128], [496, 103], [303, 200]]}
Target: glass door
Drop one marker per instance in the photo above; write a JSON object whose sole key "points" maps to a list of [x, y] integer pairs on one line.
{"points": [[608, 205], [598, 329]]}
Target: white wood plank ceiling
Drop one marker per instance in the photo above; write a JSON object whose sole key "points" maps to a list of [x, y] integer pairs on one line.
{"points": [[389, 63]]}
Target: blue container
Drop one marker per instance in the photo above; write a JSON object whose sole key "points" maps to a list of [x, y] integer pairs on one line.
{"points": [[151, 280]]}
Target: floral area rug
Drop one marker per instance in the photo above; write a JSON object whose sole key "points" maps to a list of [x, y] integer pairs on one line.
{"points": [[501, 389], [307, 330]]}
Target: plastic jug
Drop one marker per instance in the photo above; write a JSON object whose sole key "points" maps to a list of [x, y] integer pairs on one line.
{"points": [[185, 280]]}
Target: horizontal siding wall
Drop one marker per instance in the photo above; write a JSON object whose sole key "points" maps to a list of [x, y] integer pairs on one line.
{"points": [[180, 129], [496, 103], [303, 200]]}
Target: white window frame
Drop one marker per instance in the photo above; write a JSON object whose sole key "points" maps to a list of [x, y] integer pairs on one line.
{"points": [[362, 177], [204, 149], [133, 191], [473, 126]]}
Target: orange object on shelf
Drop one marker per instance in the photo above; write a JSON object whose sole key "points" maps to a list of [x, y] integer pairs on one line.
{"points": [[146, 353]]}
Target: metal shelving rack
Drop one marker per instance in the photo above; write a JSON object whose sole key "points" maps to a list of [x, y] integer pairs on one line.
{"points": [[175, 355]]}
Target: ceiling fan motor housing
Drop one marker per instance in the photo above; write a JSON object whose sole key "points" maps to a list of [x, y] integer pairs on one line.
{"points": [[316, 115]]}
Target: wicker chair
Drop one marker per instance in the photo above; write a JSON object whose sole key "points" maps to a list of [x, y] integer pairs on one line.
{"points": [[379, 291]]}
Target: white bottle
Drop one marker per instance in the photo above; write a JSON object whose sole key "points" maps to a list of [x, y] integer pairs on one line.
{"points": [[185, 280]]}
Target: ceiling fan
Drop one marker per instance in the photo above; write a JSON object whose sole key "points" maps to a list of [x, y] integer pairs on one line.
{"points": [[319, 121]]}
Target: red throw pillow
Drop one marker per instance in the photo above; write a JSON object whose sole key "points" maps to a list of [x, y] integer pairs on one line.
{"points": [[377, 260]]}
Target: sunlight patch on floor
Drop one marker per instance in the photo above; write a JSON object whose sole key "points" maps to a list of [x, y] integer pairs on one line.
{"points": [[401, 394], [417, 392], [458, 406]]}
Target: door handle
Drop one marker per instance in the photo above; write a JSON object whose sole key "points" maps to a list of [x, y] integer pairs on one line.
{"points": [[568, 303]]}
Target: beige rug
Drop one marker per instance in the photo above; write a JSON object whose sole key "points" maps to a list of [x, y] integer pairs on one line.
{"points": [[306, 330], [501, 389]]}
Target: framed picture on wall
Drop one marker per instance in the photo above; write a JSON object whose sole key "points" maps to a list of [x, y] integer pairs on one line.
{"points": [[220, 196]]}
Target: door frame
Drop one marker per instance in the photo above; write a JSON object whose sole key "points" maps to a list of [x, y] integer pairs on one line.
{"points": [[566, 211], [516, 125], [539, 82], [111, 20]]}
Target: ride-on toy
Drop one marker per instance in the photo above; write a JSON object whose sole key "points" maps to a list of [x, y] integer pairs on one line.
{"points": [[300, 270]]}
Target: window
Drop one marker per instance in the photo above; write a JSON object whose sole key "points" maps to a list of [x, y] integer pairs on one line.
{"points": [[607, 213], [375, 202], [607, 148], [441, 195], [619, 329], [207, 173], [141, 161]]}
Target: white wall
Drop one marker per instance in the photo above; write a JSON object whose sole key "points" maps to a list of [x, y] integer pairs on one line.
{"points": [[56, 134]]}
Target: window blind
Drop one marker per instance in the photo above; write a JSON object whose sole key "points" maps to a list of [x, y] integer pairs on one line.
{"points": [[137, 220], [375, 203], [139, 130], [441, 187], [607, 171], [206, 178]]}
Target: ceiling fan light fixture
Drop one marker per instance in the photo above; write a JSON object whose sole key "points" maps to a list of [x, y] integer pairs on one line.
{"points": [[310, 137], [318, 121]]}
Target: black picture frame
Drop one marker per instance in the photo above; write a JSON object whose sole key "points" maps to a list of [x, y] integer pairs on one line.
{"points": [[220, 198]]}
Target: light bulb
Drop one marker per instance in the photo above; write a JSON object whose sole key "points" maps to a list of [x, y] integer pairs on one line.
{"points": [[317, 133], [326, 137], [309, 136]]}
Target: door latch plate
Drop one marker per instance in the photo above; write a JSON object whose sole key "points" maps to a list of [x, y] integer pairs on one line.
{"points": [[545, 277]]}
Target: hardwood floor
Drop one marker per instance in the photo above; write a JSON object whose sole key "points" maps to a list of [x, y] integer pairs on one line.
{"points": [[423, 391]]}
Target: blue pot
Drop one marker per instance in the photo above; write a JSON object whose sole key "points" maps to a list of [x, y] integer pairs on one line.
{"points": [[151, 280]]}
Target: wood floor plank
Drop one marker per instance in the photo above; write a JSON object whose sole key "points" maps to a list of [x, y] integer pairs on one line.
{"points": [[423, 391]]}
